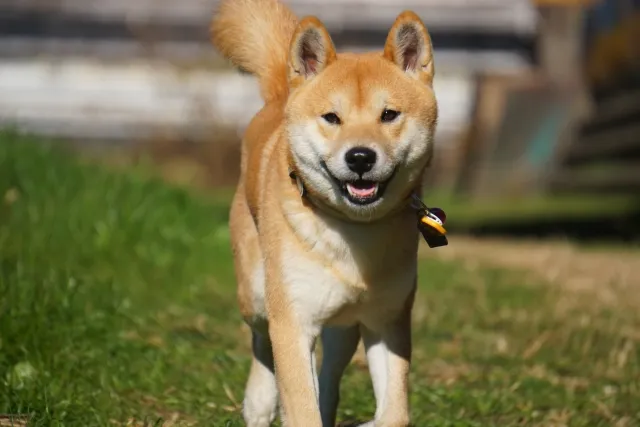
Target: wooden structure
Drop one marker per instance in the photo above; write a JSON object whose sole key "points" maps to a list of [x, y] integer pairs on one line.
{"points": [[604, 155], [574, 126], [144, 27]]}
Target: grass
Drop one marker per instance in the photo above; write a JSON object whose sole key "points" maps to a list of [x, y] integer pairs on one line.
{"points": [[117, 303], [466, 213]]}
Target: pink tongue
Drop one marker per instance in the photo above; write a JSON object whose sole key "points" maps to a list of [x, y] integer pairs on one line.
{"points": [[362, 192]]}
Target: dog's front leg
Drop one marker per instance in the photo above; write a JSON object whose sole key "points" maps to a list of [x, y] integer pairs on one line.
{"points": [[292, 348], [388, 348], [389, 355]]}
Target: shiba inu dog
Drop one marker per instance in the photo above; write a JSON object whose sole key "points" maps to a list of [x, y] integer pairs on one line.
{"points": [[324, 240]]}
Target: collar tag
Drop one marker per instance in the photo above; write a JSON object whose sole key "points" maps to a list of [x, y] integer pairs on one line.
{"points": [[430, 223]]}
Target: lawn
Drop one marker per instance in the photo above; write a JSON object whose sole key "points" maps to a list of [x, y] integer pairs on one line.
{"points": [[117, 305]]}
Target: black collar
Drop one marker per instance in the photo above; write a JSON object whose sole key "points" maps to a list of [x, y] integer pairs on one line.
{"points": [[299, 183]]}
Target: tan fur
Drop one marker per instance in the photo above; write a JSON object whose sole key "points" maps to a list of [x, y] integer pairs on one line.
{"points": [[322, 264], [255, 36]]}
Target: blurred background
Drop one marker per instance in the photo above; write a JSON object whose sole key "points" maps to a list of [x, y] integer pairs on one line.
{"points": [[117, 290], [539, 100]]}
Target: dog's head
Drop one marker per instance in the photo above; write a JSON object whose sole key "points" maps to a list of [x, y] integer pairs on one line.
{"points": [[361, 126]]}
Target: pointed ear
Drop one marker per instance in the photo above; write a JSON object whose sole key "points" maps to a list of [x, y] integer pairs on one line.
{"points": [[409, 47], [311, 51]]}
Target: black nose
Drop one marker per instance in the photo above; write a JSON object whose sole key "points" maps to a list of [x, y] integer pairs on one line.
{"points": [[360, 159]]}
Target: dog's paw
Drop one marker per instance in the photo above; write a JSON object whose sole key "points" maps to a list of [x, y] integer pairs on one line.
{"points": [[258, 421], [372, 423], [353, 423], [256, 416]]}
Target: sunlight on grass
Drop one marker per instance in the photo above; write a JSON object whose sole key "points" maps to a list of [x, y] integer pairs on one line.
{"points": [[117, 303]]}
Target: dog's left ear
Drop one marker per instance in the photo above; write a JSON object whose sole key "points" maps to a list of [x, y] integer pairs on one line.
{"points": [[409, 47]]}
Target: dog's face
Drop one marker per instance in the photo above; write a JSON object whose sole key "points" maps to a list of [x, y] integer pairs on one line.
{"points": [[361, 126]]}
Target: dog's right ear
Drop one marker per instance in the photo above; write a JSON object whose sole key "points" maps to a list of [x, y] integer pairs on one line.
{"points": [[311, 51], [409, 47]]}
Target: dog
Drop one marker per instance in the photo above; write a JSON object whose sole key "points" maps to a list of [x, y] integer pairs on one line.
{"points": [[324, 240]]}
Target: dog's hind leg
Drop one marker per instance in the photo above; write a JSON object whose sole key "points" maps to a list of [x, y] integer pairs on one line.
{"points": [[261, 394], [338, 347]]}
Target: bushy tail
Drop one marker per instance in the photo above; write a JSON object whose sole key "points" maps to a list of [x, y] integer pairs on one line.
{"points": [[255, 35]]}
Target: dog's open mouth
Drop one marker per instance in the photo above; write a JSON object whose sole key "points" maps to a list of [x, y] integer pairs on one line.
{"points": [[361, 192]]}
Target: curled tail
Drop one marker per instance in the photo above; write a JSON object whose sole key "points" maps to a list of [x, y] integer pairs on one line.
{"points": [[255, 36]]}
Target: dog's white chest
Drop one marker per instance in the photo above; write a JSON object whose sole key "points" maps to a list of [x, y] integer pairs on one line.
{"points": [[318, 289], [342, 273]]}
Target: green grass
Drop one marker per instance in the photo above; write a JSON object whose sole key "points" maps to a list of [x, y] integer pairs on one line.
{"points": [[463, 213], [117, 302]]}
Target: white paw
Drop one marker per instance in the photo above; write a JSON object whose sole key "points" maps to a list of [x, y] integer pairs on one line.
{"points": [[371, 423], [258, 421], [257, 417]]}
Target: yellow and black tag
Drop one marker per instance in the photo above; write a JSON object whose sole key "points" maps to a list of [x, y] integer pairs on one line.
{"points": [[430, 223]]}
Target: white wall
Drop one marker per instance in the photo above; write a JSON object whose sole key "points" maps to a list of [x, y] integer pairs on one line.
{"points": [[506, 15], [81, 99]]}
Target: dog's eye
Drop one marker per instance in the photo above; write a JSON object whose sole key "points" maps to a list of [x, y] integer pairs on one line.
{"points": [[332, 118], [389, 115]]}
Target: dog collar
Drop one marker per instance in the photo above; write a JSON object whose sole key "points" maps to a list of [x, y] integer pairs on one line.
{"points": [[430, 220], [299, 183]]}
